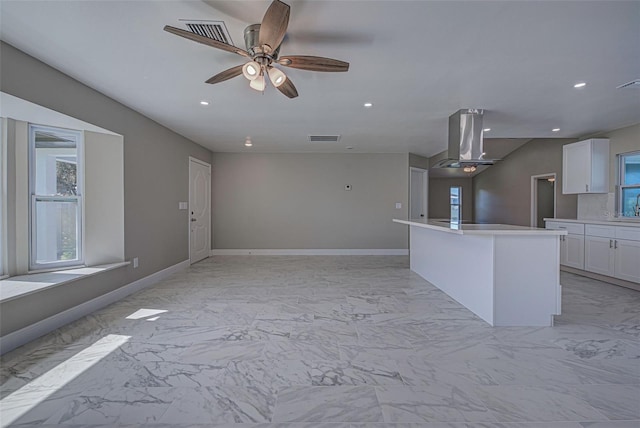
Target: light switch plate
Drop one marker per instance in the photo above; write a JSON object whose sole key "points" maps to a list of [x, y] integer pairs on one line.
{"points": [[183, 205], [398, 205]]}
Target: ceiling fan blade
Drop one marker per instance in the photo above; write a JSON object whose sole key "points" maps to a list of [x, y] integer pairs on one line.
{"points": [[313, 63], [288, 89], [274, 25], [226, 75], [206, 40]]}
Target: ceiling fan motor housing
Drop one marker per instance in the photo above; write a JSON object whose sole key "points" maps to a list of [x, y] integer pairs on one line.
{"points": [[251, 37]]}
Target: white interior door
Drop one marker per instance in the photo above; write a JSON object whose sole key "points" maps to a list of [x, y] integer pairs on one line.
{"points": [[199, 210], [418, 193]]}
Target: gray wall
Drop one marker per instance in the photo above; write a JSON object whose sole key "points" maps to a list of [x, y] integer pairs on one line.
{"points": [[503, 191], [439, 197], [418, 161], [298, 201], [621, 140], [156, 178]]}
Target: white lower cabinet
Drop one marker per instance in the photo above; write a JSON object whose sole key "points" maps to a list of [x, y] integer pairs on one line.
{"points": [[600, 248], [607, 254], [572, 251], [571, 245], [599, 255], [627, 260]]}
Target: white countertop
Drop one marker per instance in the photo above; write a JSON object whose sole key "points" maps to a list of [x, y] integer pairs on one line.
{"points": [[479, 229], [628, 223]]}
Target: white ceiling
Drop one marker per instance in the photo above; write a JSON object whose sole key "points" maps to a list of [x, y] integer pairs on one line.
{"points": [[417, 61]]}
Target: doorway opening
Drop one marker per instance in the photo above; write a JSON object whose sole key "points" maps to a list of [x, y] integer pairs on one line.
{"points": [[543, 198], [199, 210], [418, 188]]}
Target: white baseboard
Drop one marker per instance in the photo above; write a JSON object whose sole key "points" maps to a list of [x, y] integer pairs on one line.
{"points": [[47, 325], [311, 252], [603, 278]]}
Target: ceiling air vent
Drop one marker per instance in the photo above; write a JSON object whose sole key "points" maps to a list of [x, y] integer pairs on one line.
{"points": [[632, 84], [215, 30], [324, 138]]}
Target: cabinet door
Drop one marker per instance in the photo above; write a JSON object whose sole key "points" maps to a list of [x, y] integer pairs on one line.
{"points": [[599, 255], [627, 260], [563, 250], [576, 167], [575, 251]]}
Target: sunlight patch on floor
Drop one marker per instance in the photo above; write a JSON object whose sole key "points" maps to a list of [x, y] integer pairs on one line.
{"points": [[18, 403], [144, 313]]}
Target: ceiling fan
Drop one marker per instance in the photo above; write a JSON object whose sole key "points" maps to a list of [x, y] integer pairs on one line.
{"points": [[263, 45]]}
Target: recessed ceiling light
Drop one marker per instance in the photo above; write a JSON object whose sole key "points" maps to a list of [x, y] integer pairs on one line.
{"points": [[487, 129], [580, 85], [556, 129], [248, 142], [367, 105], [204, 103]]}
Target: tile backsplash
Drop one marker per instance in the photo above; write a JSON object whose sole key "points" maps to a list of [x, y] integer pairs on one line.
{"points": [[600, 206]]}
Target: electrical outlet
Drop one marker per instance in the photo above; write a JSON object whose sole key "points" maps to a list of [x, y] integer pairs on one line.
{"points": [[135, 262]]}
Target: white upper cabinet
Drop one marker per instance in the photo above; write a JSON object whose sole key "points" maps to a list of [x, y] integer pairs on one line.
{"points": [[585, 166]]}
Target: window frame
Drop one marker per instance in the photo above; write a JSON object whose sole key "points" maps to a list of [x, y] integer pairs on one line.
{"points": [[623, 185], [459, 204], [34, 198]]}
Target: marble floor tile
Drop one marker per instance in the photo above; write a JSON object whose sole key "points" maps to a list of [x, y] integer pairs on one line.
{"points": [[115, 407], [172, 374], [537, 404], [327, 342], [301, 350], [431, 403], [214, 405], [271, 374], [614, 401], [324, 404], [601, 347], [334, 373], [472, 425], [218, 351], [611, 424]]}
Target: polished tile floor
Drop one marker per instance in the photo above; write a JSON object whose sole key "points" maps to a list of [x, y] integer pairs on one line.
{"points": [[328, 342]]}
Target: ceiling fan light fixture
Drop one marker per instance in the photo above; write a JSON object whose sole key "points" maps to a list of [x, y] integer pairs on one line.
{"points": [[251, 70], [276, 76], [258, 83]]}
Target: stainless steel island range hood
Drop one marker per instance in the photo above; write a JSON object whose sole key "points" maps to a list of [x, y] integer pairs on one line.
{"points": [[465, 141]]}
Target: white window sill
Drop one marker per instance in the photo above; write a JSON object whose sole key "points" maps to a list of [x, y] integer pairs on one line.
{"points": [[18, 286]]}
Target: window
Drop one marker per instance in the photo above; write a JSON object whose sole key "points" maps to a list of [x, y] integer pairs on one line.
{"points": [[55, 183], [629, 184], [455, 197]]}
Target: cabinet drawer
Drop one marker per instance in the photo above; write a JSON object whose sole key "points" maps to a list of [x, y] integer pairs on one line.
{"points": [[572, 228], [630, 233], [601, 231]]}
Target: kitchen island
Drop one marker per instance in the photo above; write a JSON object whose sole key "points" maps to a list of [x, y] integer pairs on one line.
{"points": [[507, 275]]}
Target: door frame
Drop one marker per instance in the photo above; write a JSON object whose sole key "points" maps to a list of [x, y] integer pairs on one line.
{"points": [[534, 196], [208, 166], [425, 186]]}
